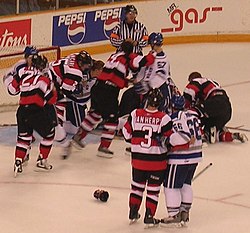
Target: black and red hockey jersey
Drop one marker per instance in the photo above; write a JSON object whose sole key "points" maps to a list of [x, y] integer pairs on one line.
{"points": [[66, 73], [118, 65], [34, 88], [144, 129], [199, 89]]}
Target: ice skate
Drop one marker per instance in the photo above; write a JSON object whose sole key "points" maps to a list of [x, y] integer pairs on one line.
{"points": [[184, 217], [42, 164], [18, 166], [176, 220], [133, 215], [240, 136], [78, 142], [150, 221], [105, 152]]}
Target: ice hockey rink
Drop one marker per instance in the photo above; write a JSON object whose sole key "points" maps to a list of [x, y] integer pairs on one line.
{"points": [[62, 200]]}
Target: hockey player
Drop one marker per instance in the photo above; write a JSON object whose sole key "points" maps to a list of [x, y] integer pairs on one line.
{"points": [[143, 130], [104, 96], [76, 106], [130, 30], [158, 74], [183, 158], [215, 105], [29, 51], [36, 91], [68, 74]]}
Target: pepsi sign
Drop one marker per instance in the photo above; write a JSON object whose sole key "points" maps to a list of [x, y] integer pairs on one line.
{"points": [[110, 18], [85, 27]]}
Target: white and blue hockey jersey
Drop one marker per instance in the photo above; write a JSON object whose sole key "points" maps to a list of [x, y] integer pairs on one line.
{"points": [[186, 139], [157, 73]]}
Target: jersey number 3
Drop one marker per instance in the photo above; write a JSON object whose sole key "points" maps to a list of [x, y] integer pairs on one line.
{"points": [[147, 136]]}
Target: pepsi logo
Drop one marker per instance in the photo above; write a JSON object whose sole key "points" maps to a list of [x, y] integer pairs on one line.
{"points": [[76, 32], [109, 25]]}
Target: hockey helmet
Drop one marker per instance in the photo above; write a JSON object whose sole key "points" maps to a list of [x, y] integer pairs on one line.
{"points": [[194, 75], [127, 47], [154, 98], [30, 50], [39, 62], [130, 8], [84, 58], [178, 102], [155, 38]]}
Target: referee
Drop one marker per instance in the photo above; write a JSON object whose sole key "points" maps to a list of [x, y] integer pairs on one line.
{"points": [[130, 30]]}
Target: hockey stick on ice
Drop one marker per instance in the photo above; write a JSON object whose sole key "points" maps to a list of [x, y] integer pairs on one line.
{"points": [[239, 128], [202, 171]]}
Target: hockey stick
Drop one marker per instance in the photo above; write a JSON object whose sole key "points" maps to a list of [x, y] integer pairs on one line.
{"points": [[236, 84], [239, 128], [202, 171]]}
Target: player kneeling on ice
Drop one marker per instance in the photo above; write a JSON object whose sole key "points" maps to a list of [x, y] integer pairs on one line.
{"points": [[183, 158], [215, 107], [36, 91], [143, 130]]}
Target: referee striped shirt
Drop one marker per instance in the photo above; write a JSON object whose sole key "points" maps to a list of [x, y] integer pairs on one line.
{"points": [[137, 32]]}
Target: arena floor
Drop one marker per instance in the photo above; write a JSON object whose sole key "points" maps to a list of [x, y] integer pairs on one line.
{"points": [[62, 200]]}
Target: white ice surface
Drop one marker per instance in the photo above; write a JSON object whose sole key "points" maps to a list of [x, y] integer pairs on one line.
{"points": [[62, 201]]}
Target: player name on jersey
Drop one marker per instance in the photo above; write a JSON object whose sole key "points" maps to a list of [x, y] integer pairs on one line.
{"points": [[148, 120]]}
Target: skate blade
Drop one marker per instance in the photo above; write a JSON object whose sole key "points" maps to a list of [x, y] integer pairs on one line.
{"points": [[173, 225], [151, 225], [15, 173], [133, 221], [42, 169], [104, 155]]}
